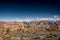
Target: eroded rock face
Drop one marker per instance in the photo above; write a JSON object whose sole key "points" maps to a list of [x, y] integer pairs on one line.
{"points": [[16, 25]]}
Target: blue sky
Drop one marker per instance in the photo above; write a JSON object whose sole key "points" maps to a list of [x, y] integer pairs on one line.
{"points": [[23, 9]]}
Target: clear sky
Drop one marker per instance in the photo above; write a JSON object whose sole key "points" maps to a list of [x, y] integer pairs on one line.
{"points": [[28, 8]]}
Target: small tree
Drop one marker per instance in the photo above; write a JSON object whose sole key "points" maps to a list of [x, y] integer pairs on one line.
{"points": [[7, 31]]}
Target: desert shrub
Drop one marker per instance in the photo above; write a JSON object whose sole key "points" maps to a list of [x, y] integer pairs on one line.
{"points": [[6, 37]]}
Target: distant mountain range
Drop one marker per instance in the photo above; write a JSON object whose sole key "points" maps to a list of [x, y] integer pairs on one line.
{"points": [[48, 23], [53, 18]]}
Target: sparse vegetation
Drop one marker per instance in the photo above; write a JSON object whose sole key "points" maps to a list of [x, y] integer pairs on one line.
{"points": [[27, 32]]}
